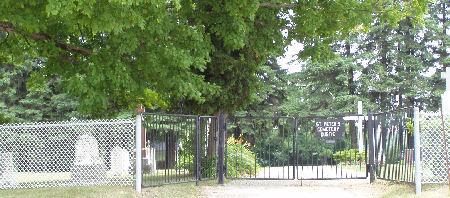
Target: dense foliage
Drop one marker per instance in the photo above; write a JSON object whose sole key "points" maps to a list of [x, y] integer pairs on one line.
{"points": [[21, 100], [387, 67], [241, 161], [349, 157], [189, 52]]}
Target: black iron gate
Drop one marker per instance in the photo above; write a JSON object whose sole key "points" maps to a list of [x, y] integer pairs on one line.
{"points": [[332, 147], [178, 148], [260, 148], [188, 148], [394, 145]]}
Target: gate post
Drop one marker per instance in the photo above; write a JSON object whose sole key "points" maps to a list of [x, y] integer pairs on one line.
{"points": [[417, 163], [138, 153], [370, 128], [221, 146], [197, 158]]}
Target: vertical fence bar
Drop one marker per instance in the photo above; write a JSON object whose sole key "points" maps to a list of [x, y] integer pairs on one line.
{"points": [[197, 159], [221, 146], [371, 147], [417, 163], [138, 153], [294, 165]]}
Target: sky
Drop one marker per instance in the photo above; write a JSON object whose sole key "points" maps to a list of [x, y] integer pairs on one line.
{"points": [[290, 60]]}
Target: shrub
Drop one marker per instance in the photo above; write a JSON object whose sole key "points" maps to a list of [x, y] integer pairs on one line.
{"points": [[240, 159], [351, 156], [208, 168]]}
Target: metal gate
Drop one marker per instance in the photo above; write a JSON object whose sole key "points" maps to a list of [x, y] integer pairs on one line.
{"points": [[394, 145], [188, 148], [276, 148], [260, 148], [178, 148], [331, 147]]}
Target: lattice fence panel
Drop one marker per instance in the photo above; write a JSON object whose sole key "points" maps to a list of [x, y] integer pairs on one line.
{"points": [[68, 153], [434, 163]]}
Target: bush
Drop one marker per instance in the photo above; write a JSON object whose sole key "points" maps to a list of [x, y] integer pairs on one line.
{"points": [[208, 168], [240, 159], [185, 161], [349, 157]]}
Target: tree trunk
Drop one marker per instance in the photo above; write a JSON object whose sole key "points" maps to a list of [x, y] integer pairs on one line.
{"points": [[213, 134], [351, 92], [171, 149], [212, 137]]}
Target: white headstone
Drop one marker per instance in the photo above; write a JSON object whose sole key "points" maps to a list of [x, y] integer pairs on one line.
{"points": [[149, 161], [120, 161], [88, 168], [86, 151], [446, 95], [6, 171]]}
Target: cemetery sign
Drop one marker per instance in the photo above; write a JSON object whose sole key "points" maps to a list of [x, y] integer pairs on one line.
{"points": [[330, 129]]}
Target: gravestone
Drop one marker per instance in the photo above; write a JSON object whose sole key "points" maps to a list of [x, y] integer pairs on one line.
{"points": [[6, 172], [149, 162], [446, 95], [120, 161], [88, 168]]}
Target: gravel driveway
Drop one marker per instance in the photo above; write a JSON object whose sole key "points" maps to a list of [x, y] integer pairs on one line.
{"points": [[286, 188]]}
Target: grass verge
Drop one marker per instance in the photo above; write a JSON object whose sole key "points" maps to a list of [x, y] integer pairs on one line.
{"points": [[184, 190], [408, 191], [87, 191]]}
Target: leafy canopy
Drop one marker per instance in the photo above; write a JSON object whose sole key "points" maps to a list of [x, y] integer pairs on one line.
{"points": [[108, 53]]}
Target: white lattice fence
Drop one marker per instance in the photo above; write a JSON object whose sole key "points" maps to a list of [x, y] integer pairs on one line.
{"points": [[69, 153], [434, 164]]}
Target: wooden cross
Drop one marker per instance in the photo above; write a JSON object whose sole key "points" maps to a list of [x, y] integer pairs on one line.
{"points": [[446, 77]]}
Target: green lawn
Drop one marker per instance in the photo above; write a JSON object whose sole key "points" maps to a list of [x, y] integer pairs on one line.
{"points": [[184, 190], [408, 191], [165, 176], [89, 191]]}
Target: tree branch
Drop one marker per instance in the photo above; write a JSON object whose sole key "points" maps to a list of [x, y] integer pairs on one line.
{"points": [[278, 5], [41, 36]]}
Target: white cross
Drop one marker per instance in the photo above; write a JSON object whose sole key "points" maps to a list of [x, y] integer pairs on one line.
{"points": [[446, 76]]}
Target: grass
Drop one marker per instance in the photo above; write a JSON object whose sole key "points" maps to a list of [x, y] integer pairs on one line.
{"points": [[396, 190], [184, 190], [165, 176], [88, 191]]}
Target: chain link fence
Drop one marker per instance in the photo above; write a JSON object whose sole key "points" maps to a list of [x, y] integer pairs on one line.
{"points": [[434, 163], [68, 153]]}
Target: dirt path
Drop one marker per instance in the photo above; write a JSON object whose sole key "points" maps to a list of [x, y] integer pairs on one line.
{"points": [[283, 189]]}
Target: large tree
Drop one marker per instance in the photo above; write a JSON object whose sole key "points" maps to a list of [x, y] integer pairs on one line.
{"points": [[437, 39], [203, 53]]}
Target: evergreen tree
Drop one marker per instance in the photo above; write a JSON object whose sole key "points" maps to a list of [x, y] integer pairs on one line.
{"points": [[271, 93], [323, 89], [22, 100], [396, 60], [437, 39]]}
